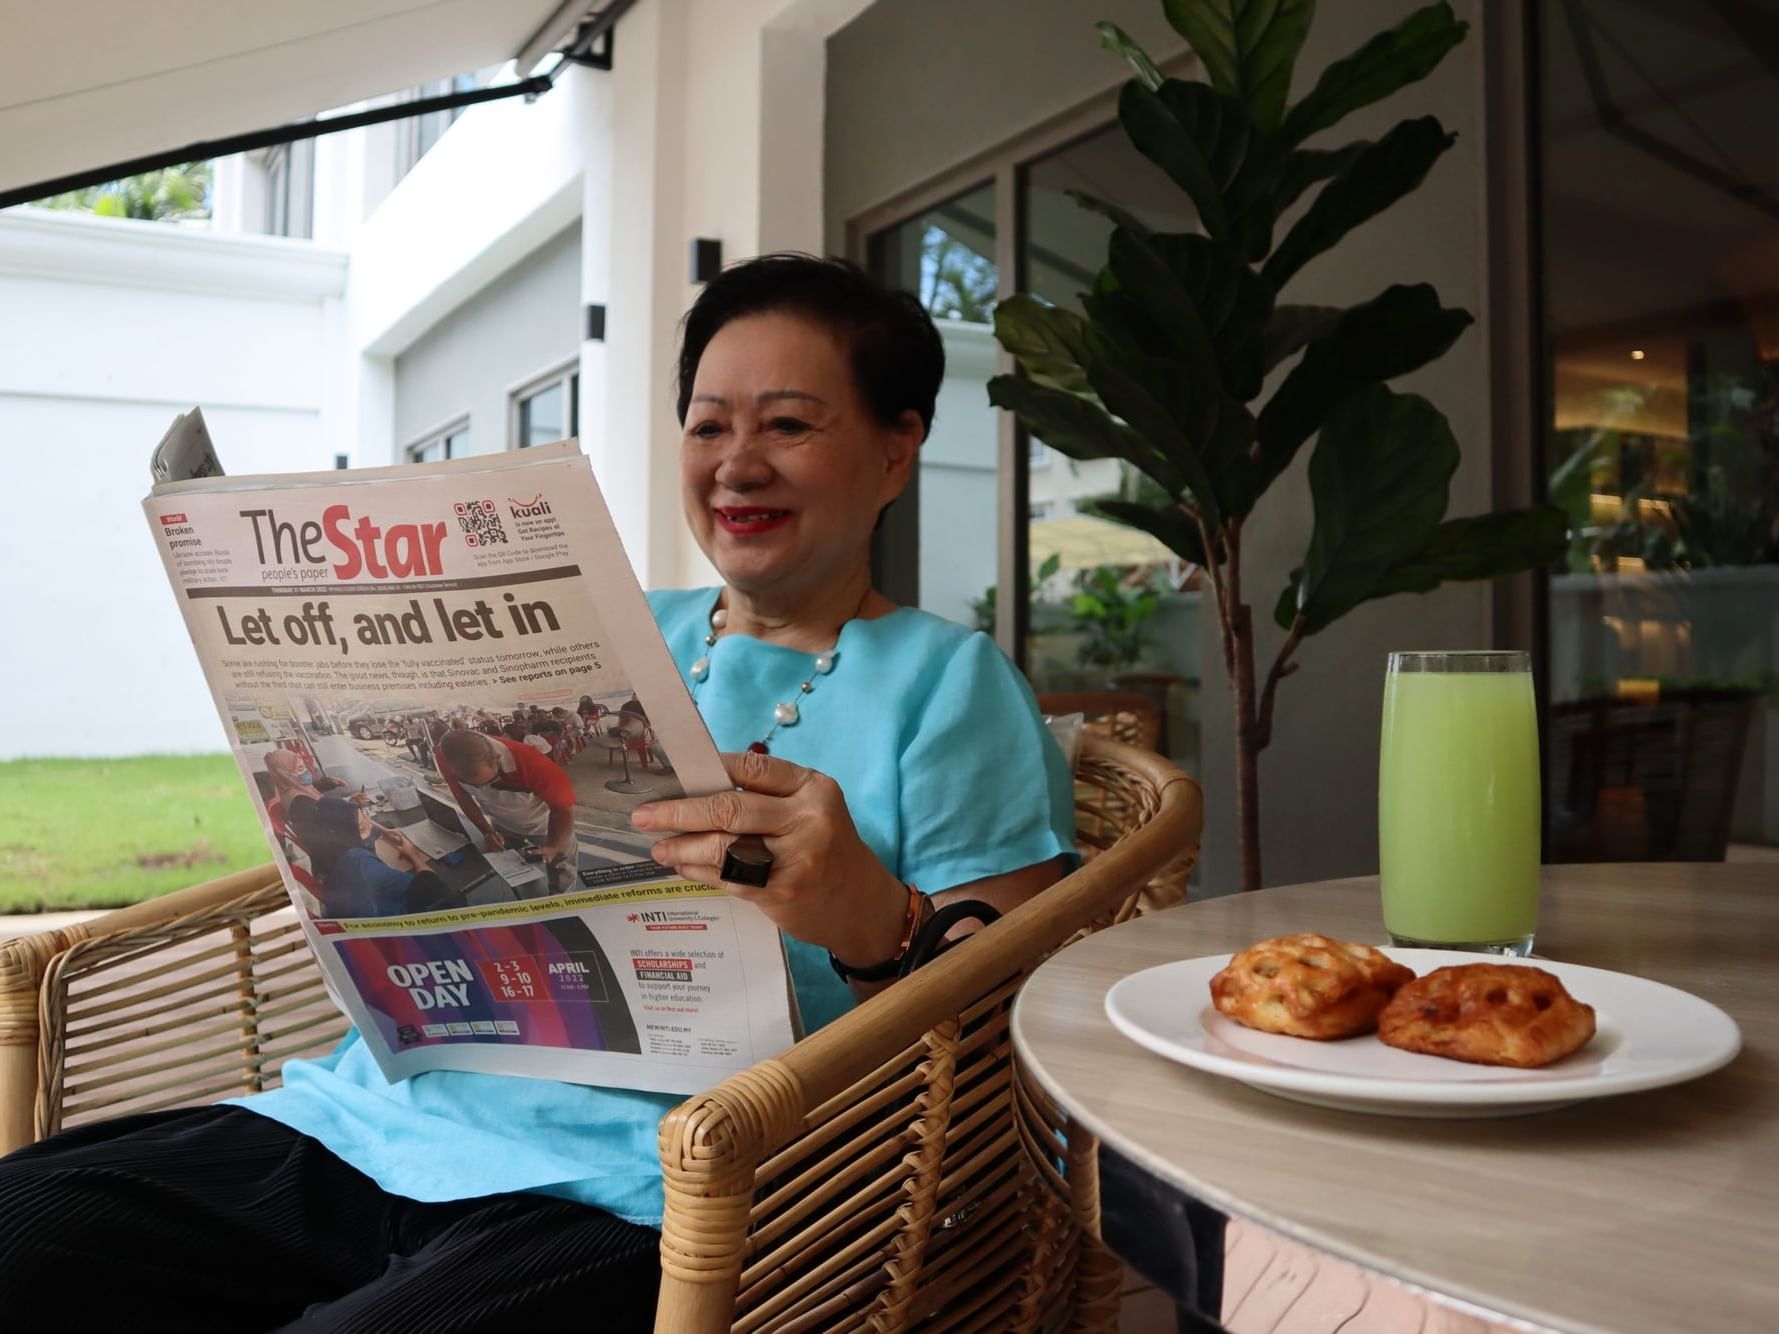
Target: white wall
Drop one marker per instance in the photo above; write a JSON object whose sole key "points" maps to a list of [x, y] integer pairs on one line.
{"points": [[716, 132], [524, 323], [109, 328], [506, 178]]}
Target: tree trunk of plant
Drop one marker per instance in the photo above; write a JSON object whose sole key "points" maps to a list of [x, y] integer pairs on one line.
{"points": [[1247, 745]]}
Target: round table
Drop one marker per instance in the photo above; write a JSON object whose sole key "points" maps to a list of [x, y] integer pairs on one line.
{"points": [[1654, 1211]]}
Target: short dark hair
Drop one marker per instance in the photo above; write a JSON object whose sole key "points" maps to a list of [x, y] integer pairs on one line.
{"points": [[897, 358]]}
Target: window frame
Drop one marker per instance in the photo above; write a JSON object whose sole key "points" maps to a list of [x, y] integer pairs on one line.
{"points": [[441, 434], [566, 373], [408, 147], [289, 174]]}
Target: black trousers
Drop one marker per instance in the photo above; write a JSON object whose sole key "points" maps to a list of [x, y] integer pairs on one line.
{"points": [[219, 1219]]}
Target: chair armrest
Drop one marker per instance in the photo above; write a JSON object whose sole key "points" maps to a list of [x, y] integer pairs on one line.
{"points": [[22, 963], [932, 1029]]}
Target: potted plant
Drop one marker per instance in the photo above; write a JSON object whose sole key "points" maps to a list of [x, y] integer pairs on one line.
{"points": [[1184, 333], [982, 609], [1108, 611]]}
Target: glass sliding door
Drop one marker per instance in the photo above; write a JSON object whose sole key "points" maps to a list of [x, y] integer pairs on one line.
{"points": [[1660, 219], [1105, 608], [938, 544], [1111, 608]]}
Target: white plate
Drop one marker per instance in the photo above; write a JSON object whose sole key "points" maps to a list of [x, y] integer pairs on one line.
{"points": [[1649, 1035]]}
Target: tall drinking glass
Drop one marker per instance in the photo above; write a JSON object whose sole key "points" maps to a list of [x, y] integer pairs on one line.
{"points": [[1458, 802]]}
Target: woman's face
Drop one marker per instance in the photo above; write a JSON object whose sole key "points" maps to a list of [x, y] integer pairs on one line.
{"points": [[782, 468]]}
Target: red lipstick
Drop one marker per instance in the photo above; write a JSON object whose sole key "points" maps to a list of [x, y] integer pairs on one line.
{"points": [[748, 520]]}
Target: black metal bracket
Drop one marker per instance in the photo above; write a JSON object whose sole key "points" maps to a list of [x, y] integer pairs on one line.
{"points": [[705, 260], [597, 52]]}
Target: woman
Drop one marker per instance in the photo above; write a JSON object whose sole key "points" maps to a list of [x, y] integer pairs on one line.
{"points": [[914, 757], [292, 776], [355, 881]]}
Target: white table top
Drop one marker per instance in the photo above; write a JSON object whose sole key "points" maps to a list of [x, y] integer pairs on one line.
{"points": [[1652, 1211]]}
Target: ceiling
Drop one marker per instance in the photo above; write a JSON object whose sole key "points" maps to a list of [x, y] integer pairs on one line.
{"points": [[88, 83]]}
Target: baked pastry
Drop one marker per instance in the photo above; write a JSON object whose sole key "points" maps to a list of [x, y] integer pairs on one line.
{"points": [[1488, 1014], [1308, 986]]}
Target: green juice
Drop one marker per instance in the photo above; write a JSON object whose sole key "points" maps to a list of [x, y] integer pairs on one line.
{"points": [[1458, 807]]}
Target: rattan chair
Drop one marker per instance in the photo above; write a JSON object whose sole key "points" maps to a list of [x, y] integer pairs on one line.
{"points": [[1647, 780], [886, 1173]]}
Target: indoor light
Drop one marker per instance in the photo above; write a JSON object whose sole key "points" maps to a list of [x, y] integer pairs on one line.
{"points": [[1636, 354]]}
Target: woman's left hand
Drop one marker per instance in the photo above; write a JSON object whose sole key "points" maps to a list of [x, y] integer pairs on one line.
{"points": [[826, 888]]}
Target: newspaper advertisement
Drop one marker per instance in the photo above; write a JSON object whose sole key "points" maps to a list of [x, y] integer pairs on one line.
{"points": [[446, 693]]}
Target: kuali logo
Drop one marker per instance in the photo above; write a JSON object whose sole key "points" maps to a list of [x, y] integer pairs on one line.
{"points": [[529, 509]]}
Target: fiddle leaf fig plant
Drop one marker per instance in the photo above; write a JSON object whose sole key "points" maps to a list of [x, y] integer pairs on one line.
{"points": [[1187, 362]]}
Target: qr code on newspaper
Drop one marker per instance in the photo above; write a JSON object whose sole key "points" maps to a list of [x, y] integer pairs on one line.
{"points": [[480, 522]]}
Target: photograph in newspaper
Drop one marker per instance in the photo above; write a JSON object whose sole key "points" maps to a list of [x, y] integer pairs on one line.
{"points": [[446, 693], [397, 806]]}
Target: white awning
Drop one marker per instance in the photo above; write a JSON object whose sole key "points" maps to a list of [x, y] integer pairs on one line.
{"points": [[1084, 541], [88, 83]]}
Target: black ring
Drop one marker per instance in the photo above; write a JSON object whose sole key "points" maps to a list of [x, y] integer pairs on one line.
{"points": [[747, 862]]}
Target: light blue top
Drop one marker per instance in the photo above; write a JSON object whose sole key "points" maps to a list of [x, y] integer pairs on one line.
{"points": [[949, 775]]}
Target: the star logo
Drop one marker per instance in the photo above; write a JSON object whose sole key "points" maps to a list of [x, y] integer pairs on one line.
{"points": [[634, 917]]}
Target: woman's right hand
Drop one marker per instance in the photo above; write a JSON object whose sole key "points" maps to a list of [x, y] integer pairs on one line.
{"points": [[494, 841]]}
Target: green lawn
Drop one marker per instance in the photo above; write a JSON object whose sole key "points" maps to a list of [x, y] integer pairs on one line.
{"points": [[99, 833]]}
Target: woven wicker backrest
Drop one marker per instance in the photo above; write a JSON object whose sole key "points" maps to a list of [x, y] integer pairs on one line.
{"points": [[203, 1007], [914, 1192]]}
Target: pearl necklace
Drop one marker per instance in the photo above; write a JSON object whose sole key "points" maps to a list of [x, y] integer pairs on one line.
{"points": [[787, 713]]}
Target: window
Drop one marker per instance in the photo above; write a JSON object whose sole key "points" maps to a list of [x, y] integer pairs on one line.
{"points": [[450, 443], [420, 133], [290, 189], [946, 257], [546, 409]]}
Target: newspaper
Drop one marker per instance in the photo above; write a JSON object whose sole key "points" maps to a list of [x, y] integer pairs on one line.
{"points": [[505, 919]]}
